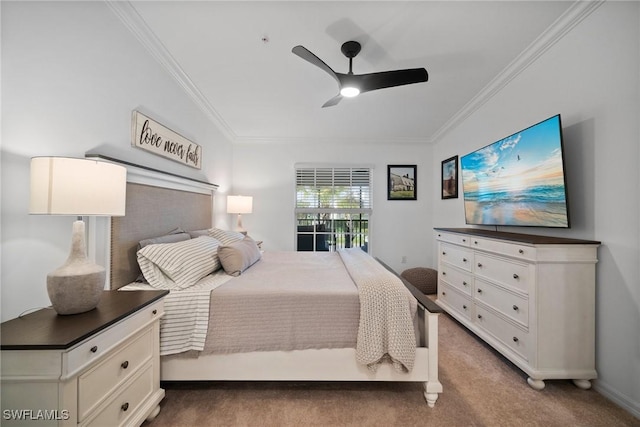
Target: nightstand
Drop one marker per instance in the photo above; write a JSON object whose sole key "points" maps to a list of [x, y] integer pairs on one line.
{"points": [[99, 368]]}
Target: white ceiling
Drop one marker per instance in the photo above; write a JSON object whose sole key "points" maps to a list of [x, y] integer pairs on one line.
{"points": [[235, 59]]}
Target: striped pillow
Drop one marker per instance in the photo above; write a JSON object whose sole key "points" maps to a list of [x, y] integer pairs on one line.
{"points": [[179, 265], [226, 237]]}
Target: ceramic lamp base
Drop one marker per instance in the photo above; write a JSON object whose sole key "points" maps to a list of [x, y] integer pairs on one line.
{"points": [[78, 284]]}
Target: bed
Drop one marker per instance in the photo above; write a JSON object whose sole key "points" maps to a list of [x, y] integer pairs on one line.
{"points": [[153, 211]]}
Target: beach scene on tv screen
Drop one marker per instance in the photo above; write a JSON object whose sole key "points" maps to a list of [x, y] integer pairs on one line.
{"points": [[518, 180]]}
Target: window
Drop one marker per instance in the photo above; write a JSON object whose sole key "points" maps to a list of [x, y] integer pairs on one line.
{"points": [[333, 206]]}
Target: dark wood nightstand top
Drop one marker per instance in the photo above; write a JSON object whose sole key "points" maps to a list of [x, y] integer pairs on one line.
{"points": [[46, 329]]}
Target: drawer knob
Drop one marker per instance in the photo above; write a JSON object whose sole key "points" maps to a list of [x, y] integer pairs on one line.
{"points": [[464, 307], [479, 291], [444, 273], [515, 276], [464, 260], [464, 283], [94, 349], [125, 364], [444, 253], [125, 406], [475, 242], [479, 316], [515, 339], [155, 312], [515, 307], [443, 293], [520, 251], [464, 240], [480, 265]]}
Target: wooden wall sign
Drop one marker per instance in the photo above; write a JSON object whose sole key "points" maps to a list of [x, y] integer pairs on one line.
{"points": [[151, 136]]}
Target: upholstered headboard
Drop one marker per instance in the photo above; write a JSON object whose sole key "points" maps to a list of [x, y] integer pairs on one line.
{"points": [[151, 212]]}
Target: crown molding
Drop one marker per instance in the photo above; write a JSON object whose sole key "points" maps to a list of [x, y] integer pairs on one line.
{"points": [[578, 11], [130, 17], [331, 141]]}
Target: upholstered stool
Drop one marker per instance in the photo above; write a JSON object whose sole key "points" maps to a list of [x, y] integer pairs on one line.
{"points": [[425, 279]]}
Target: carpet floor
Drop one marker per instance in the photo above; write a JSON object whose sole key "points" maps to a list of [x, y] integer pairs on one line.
{"points": [[481, 388]]}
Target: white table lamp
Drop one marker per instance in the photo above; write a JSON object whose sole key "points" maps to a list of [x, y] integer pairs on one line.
{"points": [[78, 187], [239, 205]]}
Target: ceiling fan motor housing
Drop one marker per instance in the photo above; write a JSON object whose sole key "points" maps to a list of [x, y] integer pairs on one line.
{"points": [[350, 49]]}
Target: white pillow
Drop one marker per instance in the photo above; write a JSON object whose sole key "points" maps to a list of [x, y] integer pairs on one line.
{"points": [[226, 237], [179, 265]]}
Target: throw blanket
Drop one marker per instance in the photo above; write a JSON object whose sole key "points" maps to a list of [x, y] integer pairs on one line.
{"points": [[387, 308]]}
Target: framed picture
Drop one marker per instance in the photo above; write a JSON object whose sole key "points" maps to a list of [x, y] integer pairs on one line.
{"points": [[401, 182], [450, 178]]}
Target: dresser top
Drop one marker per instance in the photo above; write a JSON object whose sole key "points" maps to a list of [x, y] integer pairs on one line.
{"points": [[46, 329], [518, 237]]}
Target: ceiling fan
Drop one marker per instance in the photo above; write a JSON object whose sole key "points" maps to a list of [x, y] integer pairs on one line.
{"points": [[350, 84]]}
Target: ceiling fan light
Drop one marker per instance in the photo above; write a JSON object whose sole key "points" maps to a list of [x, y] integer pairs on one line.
{"points": [[349, 91]]}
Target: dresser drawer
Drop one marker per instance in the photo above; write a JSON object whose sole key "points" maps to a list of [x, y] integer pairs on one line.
{"points": [[97, 346], [460, 280], [508, 303], [510, 335], [100, 381], [503, 271], [125, 404], [516, 250], [455, 255], [458, 239], [456, 301]]}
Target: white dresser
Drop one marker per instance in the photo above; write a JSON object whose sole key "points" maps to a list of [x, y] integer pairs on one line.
{"points": [[532, 298], [99, 368]]}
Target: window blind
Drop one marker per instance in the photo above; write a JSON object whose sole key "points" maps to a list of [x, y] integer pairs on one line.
{"points": [[337, 189]]}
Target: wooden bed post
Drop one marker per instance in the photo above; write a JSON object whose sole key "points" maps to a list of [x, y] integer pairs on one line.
{"points": [[432, 387]]}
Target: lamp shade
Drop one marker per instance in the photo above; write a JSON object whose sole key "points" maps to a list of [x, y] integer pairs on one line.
{"points": [[70, 186], [239, 204]]}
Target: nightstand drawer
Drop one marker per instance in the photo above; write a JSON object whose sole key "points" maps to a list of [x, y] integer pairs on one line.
{"points": [[97, 346], [126, 402], [99, 382]]}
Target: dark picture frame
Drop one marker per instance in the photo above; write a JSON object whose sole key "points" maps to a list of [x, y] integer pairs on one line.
{"points": [[449, 175], [402, 182]]}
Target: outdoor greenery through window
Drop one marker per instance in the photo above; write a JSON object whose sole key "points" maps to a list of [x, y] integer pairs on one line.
{"points": [[333, 205]]}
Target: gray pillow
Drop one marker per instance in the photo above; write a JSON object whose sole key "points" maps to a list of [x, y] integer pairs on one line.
{"points": [[238, 256], [177, 235]]}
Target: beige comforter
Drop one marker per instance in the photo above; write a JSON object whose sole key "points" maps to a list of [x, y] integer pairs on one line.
{"points": [[305, 300]]}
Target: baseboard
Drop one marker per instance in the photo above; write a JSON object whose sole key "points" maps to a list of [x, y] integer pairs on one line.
{"points": [[619, 399]]}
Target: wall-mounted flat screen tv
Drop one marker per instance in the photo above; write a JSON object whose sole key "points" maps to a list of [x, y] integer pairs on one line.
{"points": [[518, 180]]}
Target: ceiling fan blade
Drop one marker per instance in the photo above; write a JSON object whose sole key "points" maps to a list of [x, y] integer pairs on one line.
{"points": [[333, 101], [384, 79], [306, 54]]}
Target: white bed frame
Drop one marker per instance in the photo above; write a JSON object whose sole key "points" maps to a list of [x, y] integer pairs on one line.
{"points": [[298, 365]]}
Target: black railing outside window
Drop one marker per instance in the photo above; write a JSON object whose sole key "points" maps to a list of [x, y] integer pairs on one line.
{"points": [[321, 232]]}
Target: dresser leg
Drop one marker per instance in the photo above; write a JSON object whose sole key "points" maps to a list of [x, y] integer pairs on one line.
{"points": [[535, 384], [154, 413], [583, 384]]}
